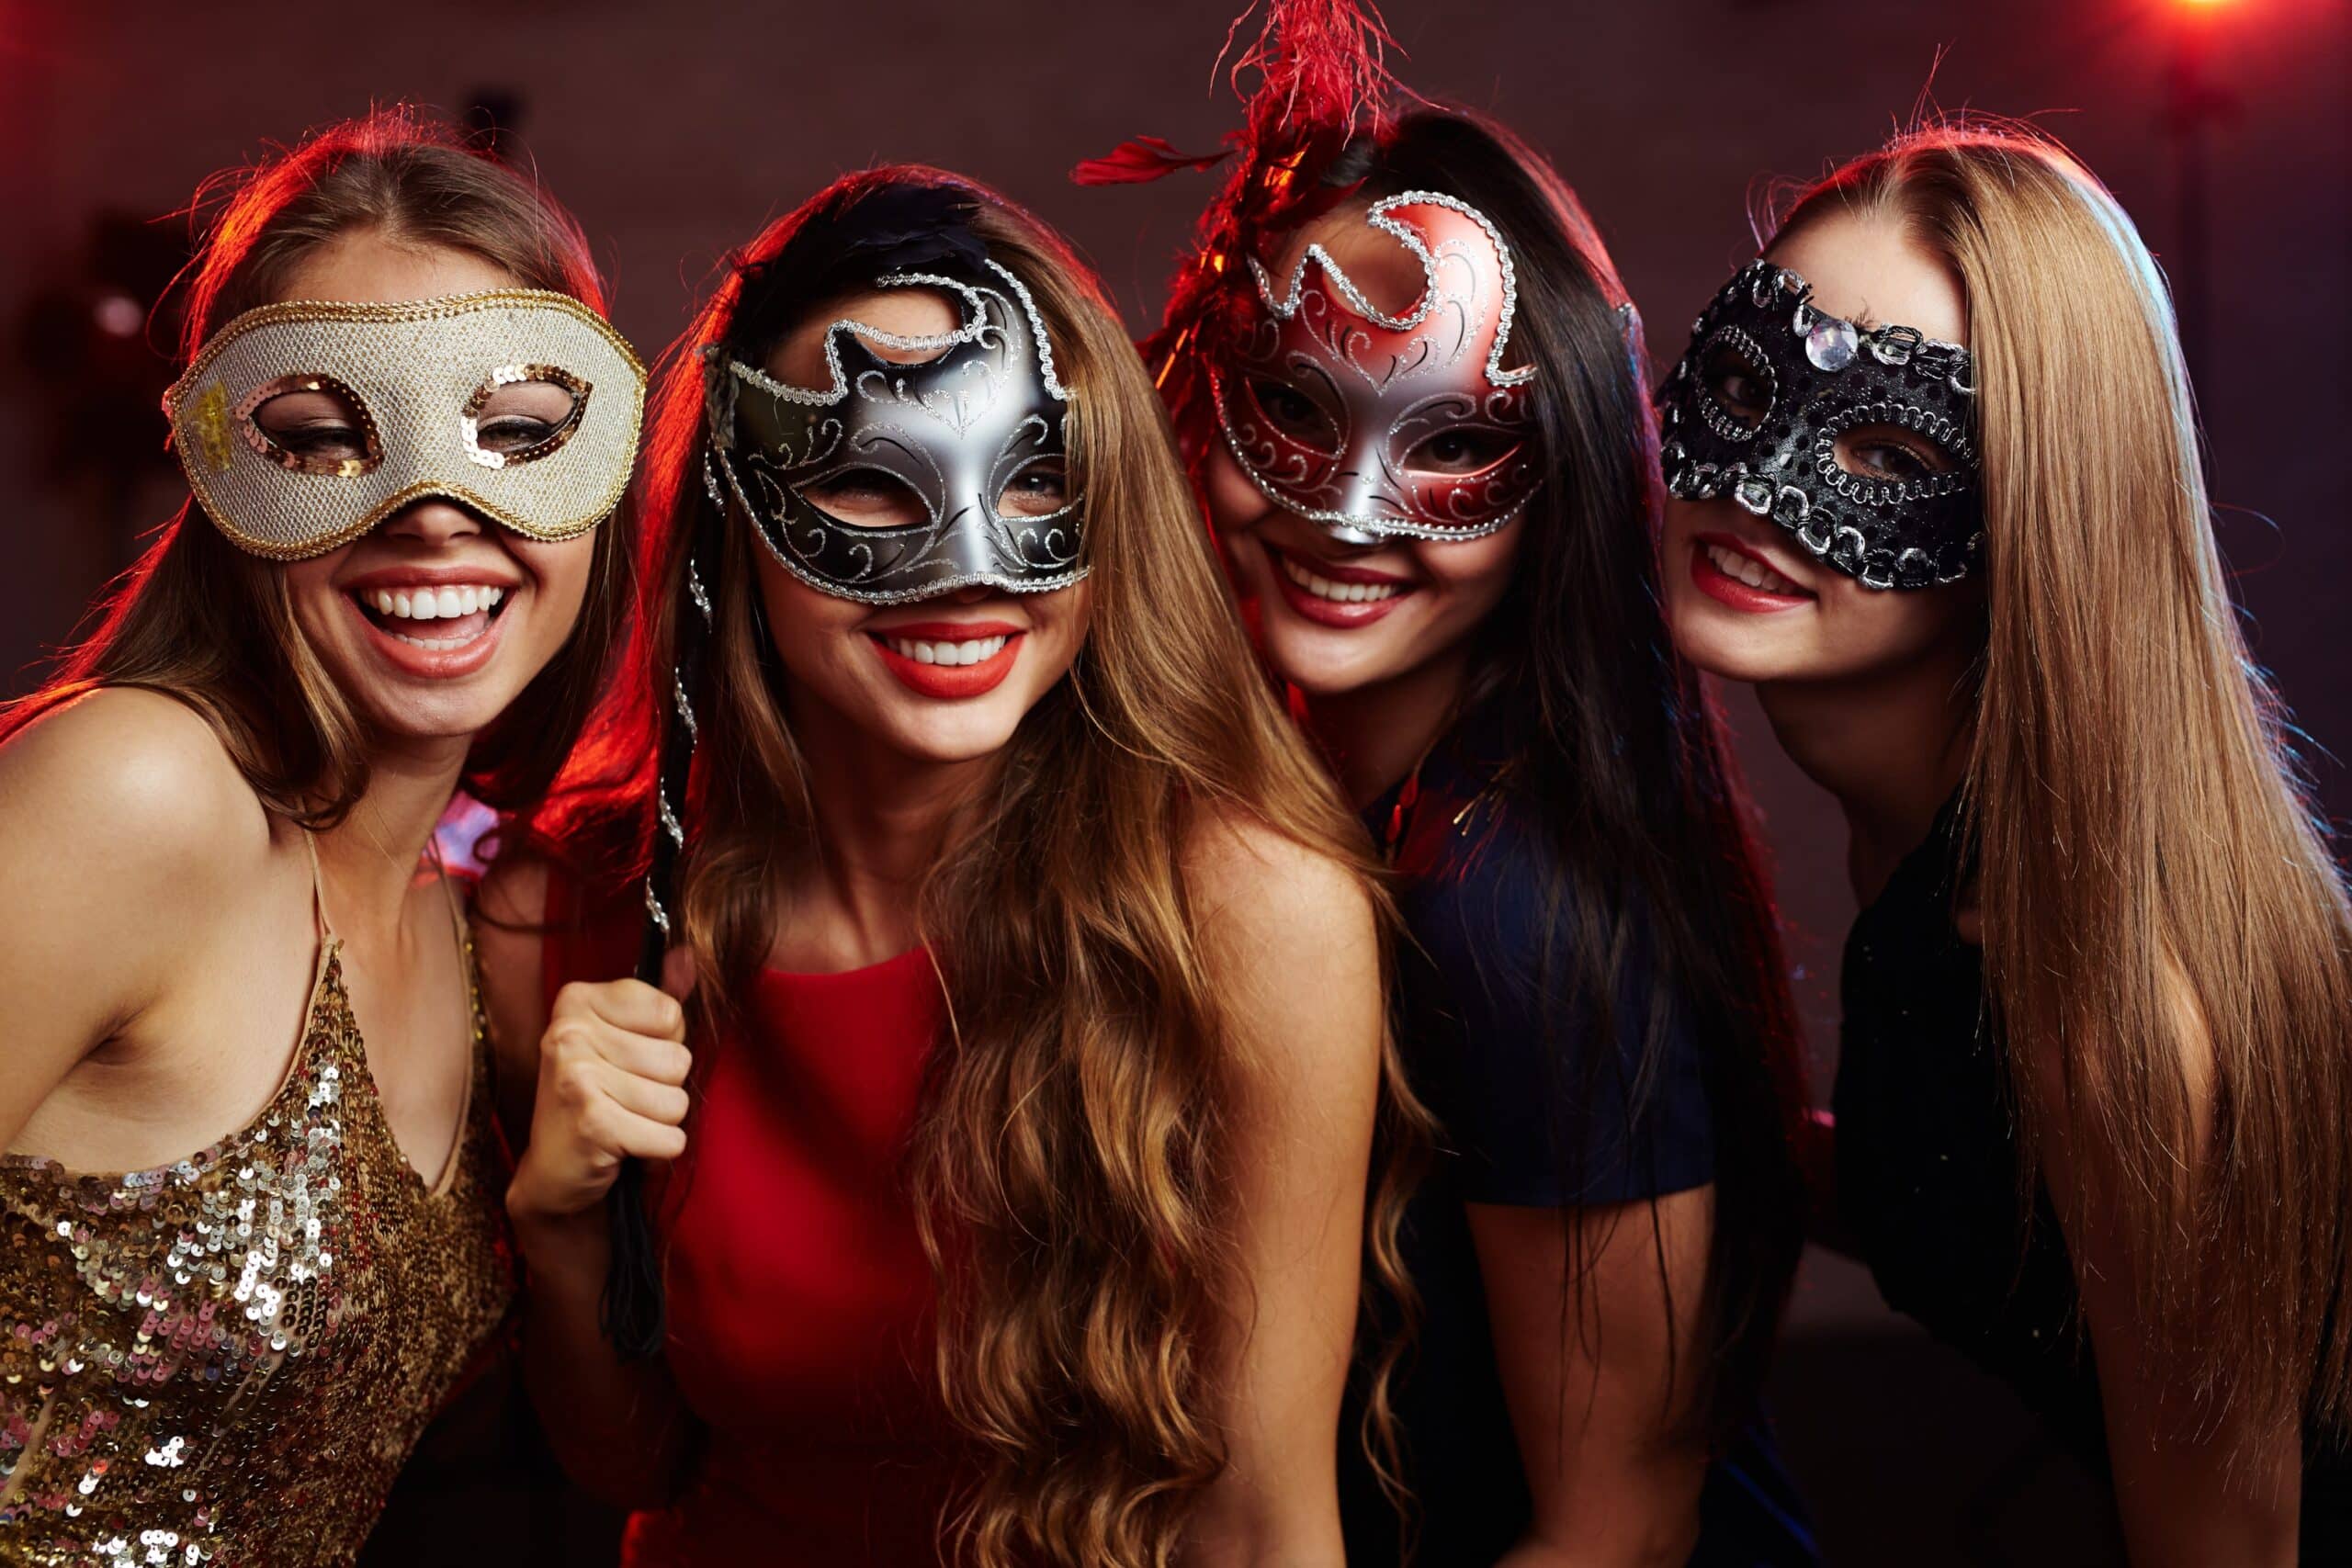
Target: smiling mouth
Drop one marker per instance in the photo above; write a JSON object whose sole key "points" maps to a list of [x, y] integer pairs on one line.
{"points": [[1322, 587], [436, 617], [922, 650], [1746, 568], [945, 662]]}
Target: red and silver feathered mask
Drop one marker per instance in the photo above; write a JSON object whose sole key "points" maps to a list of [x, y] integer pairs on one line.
{"points": [[1371, 425]]}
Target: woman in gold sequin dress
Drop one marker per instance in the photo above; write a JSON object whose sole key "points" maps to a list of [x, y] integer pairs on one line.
{"points": [[239, 994]]}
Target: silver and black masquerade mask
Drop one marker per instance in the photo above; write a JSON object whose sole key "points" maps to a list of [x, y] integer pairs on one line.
{"points": [[964, 431], [1371, 425], [1757, 406], [421, 388]]}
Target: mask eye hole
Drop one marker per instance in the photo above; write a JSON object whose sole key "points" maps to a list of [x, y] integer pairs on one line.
{"points": [[1039, 488], [1294, 414], [522, 413], [310, 424], [866, 497], [1463, 449], [1739, 382], [1890, 453]]}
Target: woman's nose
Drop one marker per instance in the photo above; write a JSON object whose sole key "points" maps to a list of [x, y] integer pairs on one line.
{"points": [[433, 520]]}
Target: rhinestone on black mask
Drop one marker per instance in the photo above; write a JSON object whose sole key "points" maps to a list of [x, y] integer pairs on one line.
{"points": [[1756, 408]]}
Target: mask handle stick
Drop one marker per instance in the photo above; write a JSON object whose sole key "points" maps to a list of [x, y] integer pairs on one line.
{"points": [[634, 1311]]}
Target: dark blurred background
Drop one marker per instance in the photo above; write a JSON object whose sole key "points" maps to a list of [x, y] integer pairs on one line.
{"points": [[674, 132]]}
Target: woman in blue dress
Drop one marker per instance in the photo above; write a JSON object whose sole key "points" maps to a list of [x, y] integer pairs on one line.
{"points": [[1412, 391]]}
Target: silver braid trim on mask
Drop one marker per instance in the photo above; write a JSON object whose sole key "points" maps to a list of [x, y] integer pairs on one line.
{"points": [[1351, 528], [975, 325], [1377, 217], [716, 463]]}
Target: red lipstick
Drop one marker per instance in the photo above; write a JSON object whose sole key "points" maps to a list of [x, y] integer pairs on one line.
{"points": [[948, 683], [1339, 612], [1719, 585]]}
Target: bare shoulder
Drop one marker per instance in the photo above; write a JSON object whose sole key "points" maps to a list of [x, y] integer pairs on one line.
{"points": [[131, 783], [1292, 949], [1247, 879], [126, 839]]}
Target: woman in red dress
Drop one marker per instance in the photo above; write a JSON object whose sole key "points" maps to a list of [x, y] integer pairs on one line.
{"points": [[1018, 1172]]}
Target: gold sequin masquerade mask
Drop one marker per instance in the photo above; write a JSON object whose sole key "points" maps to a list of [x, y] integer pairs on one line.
{"points": [[1371, 425], [520, 405]]}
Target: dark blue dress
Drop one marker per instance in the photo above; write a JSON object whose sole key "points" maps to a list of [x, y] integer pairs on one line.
{"points": [[1927, 1173], [1532, 1115]]}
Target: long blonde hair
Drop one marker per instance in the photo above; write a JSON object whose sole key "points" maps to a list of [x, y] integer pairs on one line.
{"points": [[2150, 864], [1071, 1164]]}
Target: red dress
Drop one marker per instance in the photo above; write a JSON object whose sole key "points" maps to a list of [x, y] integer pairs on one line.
{"points": [[801, 1302]]}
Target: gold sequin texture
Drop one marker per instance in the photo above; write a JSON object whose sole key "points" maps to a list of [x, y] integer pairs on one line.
{"points": [[226, 1361]]}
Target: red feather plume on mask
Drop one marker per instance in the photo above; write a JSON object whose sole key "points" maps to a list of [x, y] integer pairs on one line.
{"points": [[1321, 82]]}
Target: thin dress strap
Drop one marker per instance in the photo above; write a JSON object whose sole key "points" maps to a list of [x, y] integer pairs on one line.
{"points": [[318, 888], [448, 890], [465, 939]]}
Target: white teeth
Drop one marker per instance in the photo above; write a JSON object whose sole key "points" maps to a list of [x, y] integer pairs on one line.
{"points": [[1753, 572], [432, 603], [1340, 592], [978, 651]]}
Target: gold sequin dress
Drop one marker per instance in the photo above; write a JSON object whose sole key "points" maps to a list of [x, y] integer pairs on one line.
{"points": [[226, 1361]]}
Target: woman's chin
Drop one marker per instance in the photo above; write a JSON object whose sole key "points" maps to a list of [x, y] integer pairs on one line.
{"points": [[1322, 662]]}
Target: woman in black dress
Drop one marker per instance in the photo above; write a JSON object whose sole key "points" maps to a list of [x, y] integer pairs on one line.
{"points": [[2104, 960], [1411, 389]]}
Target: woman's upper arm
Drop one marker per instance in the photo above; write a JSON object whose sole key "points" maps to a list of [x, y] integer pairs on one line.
{"points": [[1584, 1152], [123, 825], [1597, 1378], [1292, 951], [510, 913], [2182, 1498]]}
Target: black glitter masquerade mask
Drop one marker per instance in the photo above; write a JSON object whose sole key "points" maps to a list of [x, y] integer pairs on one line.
{"points": [[1770, 384]]}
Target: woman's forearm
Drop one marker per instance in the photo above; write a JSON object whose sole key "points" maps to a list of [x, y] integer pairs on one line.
{"points": [[620, 1428]]}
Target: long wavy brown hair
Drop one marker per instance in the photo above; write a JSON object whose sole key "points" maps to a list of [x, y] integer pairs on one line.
{"points": [[1070, 1164], [2151, 867], [200, 620]]}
